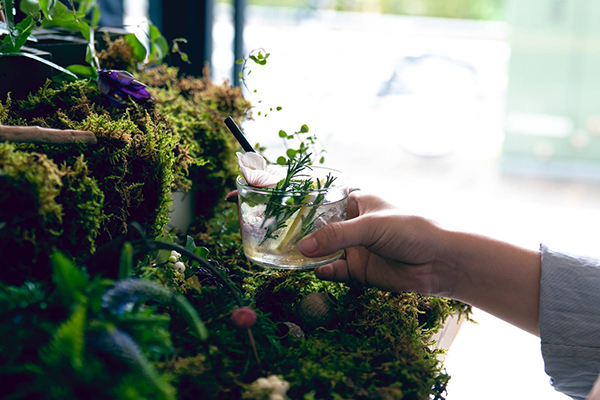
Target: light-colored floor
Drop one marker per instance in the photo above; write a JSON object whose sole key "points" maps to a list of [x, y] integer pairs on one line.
{"points": [[435, 152]]}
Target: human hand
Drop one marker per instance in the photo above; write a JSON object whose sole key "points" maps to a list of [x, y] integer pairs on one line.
{"points": [[384, 249]]}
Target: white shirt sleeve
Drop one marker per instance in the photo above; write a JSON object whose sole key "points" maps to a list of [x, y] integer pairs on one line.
{"points": [[570, 321]]}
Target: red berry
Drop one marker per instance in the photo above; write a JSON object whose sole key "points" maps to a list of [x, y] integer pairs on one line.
{"points": [[243, 317]]}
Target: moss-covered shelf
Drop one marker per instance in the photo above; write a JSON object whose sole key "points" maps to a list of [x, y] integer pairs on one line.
{"points": [[80, 199]]}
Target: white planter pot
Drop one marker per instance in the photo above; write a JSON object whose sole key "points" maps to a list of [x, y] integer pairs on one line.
{"points": [[182, 212], [445, 336]]}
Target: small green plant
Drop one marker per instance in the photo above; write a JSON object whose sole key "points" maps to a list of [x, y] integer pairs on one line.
{"points": [[305, 142], [17, 34], [76, 16]]}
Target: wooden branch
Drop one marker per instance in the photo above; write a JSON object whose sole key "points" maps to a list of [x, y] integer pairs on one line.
{"points": [[37, 134]]}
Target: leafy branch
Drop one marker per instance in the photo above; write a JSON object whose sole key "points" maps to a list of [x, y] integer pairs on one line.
{"points": [[282, 210], [306, 142]]}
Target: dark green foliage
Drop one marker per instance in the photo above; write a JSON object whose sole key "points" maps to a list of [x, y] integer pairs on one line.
{"points": [[59, 341]]}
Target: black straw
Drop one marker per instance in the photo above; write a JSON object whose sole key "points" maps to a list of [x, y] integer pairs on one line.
{"points": [[239, 135]]}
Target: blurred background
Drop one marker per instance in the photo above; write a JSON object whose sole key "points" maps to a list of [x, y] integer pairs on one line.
{"points": [[480, 114]]}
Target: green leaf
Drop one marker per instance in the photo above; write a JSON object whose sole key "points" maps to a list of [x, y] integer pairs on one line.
{"points": [[282, 134], [175, 49], [29, 7], [190, 244], [13, 43], [85, 71], [64, 17], [291, 153], [159, 47], [201, 252], [95, 16], [162, 46], [190, 314], [258, 60], [89, 34], [47, 6], [281, 160], [42, 60], [139, 50], [240, 61], [9, 6], [85, 6], [163, 255], [126, 261], [69, 280], [304, 128], [279, 108], [68, 341], [321, 160]]}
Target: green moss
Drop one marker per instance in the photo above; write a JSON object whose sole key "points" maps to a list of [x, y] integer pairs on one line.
{"points": [[43, 205], [377, 348], [82, 201], [136, 162], [197, 107]]}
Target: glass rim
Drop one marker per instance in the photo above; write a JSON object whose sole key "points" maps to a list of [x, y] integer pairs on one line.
{"points": [[336, 185]]}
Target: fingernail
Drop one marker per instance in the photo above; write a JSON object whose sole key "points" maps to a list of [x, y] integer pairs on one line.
{"points": [[326, 271], [308, 245]]}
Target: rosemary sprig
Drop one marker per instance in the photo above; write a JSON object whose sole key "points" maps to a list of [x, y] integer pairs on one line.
{"points": [[308, 222], [276, 207]]}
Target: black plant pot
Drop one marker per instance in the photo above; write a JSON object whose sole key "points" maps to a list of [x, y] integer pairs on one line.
{"points": [[21, 75], [70, 48], [66, 49]]}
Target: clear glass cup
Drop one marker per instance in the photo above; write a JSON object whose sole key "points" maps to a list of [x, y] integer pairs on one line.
{"points": [[272, 240]]}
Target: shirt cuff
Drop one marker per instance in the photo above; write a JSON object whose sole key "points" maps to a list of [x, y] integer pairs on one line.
{"points": [[570, 321]]}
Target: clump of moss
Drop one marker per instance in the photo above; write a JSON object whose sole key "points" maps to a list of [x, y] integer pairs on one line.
{"points": [[127, 176], [197, 108], [42, 205], [137, 160], [117, 55]]}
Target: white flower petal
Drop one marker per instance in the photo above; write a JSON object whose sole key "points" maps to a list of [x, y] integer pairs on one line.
{"points": [[252, 160], [258, 178], [257, 173]]}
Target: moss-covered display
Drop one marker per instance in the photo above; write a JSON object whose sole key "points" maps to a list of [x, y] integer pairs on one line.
{"points": [[372, 346], [136, 163], [75, 334]]}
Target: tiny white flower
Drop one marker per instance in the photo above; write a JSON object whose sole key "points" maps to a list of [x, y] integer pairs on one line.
{"points": [[257, 173], [262, 383], [179, 267], [175, 254]]}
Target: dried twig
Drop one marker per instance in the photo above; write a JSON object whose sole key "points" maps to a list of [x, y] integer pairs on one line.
{"points": [[37, 134]]}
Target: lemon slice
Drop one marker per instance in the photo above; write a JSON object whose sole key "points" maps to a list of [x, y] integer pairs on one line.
{"points": [[288, 233]]}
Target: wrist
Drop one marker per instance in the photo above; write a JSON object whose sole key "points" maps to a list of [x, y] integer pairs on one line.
{"points": [[495, 276], [455, 275]]}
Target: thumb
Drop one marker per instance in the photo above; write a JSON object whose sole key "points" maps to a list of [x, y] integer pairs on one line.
{"points": [[337, 236]]}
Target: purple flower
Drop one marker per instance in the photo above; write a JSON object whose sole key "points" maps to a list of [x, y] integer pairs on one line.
{"points": [[120, 346], [121, 85], [126, 291]]}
